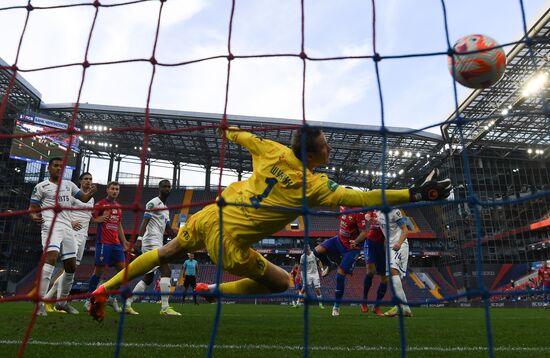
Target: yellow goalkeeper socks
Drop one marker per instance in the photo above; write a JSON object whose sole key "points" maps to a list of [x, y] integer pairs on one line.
{"points": [[245, 286], [140, 266]]}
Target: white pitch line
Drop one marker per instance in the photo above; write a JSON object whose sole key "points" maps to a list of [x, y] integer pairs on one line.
{"points": [[278, 347]]}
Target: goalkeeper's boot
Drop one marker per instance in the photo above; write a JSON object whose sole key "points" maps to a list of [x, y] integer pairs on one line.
{"points": [[364, 308], [377, 311], [336, 311], [203, 288], [169, 311], [129, 310], [98, 301]]}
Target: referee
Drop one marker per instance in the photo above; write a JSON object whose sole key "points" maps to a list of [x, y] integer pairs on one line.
{"points": [[190, 272]]}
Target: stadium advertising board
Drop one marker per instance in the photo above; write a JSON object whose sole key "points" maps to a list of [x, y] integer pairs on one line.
{"points": [[43, 145]]}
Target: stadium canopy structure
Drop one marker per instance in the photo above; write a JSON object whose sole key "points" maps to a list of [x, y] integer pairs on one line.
{"points": [[500, 119], [184, 137]]}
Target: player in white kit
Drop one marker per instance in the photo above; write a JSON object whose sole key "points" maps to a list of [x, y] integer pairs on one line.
{"points": [[310, 262], [156, 220], [80, 222], [57, 236], [399, 256]]}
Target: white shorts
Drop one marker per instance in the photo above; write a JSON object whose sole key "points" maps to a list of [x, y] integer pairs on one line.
{"points": [[312, 280], [80, 241], [150, 247], [399, 260], [62, 240]]}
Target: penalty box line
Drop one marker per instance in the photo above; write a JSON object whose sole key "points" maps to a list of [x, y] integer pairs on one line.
{"points": [[279, 347]]}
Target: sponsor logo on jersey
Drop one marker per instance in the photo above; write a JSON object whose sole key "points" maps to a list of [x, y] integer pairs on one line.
{"points": [[332, 186]]}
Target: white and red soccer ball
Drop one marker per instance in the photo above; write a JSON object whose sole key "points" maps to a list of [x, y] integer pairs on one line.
{"points": [[480, 69]]}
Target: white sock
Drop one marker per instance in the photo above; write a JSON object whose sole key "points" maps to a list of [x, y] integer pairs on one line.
{"points": [[140, 287], [165, 291], [65, 284], [398, 287], [47, 271], [54, 289]]}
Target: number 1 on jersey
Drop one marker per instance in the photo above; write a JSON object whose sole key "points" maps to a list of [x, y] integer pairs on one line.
{"points": [[258, 198]]}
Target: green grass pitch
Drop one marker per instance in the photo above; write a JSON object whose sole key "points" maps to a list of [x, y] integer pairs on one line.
{"points": [[276, 331]]}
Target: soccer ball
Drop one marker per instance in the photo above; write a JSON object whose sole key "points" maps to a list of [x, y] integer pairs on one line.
{"points": [[480, 69]]}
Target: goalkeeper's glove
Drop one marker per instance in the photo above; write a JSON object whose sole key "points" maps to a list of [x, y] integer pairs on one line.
{"points": [[431, 189]]}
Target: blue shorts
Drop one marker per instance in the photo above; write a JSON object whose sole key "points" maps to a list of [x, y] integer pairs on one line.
{"points": [[298, 287], [334, 245], [546, 288], [108, 254], [375, 253]]}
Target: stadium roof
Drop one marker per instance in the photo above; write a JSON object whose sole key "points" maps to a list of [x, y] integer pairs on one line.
{"points": [[189, 137]]}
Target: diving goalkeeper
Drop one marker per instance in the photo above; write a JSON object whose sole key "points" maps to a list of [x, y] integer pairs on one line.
{"points": [[255, 208]]}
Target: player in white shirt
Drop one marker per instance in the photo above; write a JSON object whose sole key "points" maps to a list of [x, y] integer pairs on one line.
{"points": [[80, 221], [156, 220], [395, 225], [56, 235], [310, 262]]}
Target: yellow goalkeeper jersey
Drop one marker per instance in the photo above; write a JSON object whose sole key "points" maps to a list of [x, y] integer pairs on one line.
{"points": [[277, 181]]}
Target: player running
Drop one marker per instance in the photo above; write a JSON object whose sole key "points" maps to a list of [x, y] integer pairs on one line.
{"points": [[277, 181], [156, 220]]}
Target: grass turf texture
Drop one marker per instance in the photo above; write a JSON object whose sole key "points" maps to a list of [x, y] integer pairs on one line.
{"points": [[275, 331]]}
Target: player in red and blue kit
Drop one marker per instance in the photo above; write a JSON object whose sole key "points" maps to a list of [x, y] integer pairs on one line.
{"points": [[544, 277], [297, 283], [110, 242], [375, 258], [352, 227]]}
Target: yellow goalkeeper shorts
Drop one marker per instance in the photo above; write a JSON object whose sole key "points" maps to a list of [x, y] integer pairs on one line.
{"points": [[202, 231]]}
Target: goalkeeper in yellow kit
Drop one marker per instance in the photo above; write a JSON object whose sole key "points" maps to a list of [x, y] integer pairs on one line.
{"points": [[259, 207]]}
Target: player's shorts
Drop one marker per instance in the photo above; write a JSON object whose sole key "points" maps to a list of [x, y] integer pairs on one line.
{"points": [[190, 280], [349, 256], [546, 288], [312, 280], [375, 253], [298, 286], [150, 247], [61, 240], [108, 254], [202, 231], [80, 241], [400, 259]]}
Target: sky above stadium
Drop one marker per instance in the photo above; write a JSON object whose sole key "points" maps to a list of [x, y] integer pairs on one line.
{"points": [[417, 92]]}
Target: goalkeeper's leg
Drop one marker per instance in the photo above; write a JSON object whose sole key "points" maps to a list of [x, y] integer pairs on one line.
{"points": [[274, 280]]}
